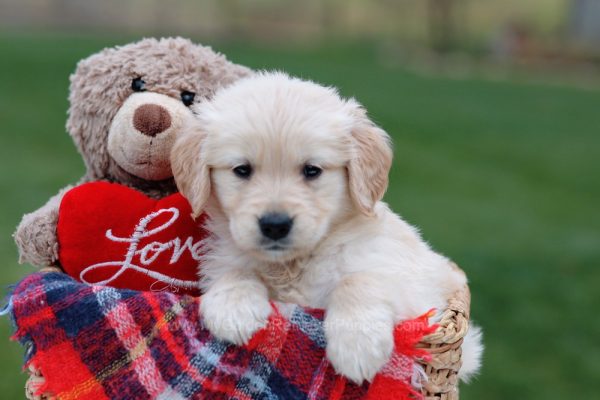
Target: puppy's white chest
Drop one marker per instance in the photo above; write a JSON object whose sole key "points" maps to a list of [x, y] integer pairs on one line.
{"points": [[300, 283]]}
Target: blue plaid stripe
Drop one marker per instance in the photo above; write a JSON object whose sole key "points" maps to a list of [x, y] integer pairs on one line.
{"points": [[310, 326], [254, 381]]}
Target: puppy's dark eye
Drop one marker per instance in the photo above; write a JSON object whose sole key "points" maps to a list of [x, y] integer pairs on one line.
{"points": [[187, 97], [243, 171], [138, 85], [311, 171]]}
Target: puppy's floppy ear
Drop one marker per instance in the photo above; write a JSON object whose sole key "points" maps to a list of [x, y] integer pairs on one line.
{"points": [[368, 169], [190, 170]]}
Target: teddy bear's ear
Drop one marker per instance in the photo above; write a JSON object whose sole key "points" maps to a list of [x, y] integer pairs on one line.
{"points": [[228, 74], [240, 71], [190, 170]]}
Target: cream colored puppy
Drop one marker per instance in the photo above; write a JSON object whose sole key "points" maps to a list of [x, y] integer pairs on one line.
{"points": [[292, 176]]}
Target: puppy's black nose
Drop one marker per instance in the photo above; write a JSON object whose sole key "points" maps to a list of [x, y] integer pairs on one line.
{"points": [[275, 226]]}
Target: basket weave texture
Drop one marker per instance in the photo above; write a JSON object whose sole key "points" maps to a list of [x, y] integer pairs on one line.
{"points": [[444, 345]]}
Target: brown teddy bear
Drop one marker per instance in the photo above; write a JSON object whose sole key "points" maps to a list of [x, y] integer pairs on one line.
{"points": [[127, 105]]}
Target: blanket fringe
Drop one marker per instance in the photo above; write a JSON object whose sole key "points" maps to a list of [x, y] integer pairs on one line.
{"points": [[8, 307]]}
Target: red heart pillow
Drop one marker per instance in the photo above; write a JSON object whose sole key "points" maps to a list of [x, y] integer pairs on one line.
{"points": [[110, 234]]}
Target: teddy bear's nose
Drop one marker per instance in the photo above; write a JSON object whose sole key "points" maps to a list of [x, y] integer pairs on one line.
{"points": [[151, 119]]}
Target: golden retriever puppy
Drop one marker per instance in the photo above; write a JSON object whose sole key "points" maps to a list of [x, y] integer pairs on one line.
{"points": [[292, 177]]}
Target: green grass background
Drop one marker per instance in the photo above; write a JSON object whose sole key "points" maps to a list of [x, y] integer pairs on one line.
{"points": [[500, 176]]}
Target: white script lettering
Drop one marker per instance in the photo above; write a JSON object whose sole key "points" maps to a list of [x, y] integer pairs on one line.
{"points": [[149, 253]]}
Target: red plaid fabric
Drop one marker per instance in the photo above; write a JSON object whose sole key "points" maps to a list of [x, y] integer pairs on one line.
{"points": [[93, 342]]}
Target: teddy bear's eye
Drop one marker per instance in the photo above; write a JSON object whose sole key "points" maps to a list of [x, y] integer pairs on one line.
{"points": [[187, 97], [138, 85]]}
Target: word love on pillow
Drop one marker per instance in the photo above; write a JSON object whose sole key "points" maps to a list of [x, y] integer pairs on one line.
{"points": [[109, 234]]}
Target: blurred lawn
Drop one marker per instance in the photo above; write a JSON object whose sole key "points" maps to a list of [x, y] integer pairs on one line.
{"points": [[502, 177]]}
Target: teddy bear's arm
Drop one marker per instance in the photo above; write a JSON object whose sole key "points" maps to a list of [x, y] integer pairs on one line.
{"points": [[36, 234]]}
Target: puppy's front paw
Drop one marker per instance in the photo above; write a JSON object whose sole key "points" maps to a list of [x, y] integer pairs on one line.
{"points": [[235, 315], [359, 348]]}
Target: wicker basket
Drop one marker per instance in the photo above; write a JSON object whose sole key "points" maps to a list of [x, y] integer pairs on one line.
{"points": [[444, 345]]}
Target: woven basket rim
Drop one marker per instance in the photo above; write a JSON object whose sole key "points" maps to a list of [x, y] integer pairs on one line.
{"points": [[444, 346]]}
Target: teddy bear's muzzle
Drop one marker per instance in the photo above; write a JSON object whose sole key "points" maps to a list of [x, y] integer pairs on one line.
{"points": [[142, 133], [151, 119]]}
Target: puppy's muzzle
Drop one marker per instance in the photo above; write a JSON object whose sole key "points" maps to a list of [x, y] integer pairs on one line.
{"points": [[275, 226]]}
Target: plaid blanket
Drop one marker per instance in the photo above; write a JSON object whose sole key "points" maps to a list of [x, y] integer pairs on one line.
{"points": [[93, 342]]}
